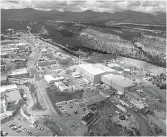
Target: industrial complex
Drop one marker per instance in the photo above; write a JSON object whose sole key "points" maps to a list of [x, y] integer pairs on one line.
{"points": [[48, 91]]}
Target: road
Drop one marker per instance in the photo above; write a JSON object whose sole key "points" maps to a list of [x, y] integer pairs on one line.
{"points": [[55, 115], [34, 72], [143, 124]]}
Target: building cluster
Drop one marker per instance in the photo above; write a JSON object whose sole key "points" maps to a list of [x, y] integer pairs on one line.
{"points": [[14, 53], [50, 58], [46, 62], [18, 75], [136, 100], [8, 49], [99, 73], [62, 83]]}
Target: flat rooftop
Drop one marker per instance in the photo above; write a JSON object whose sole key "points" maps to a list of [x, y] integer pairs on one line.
{"points": [[91, 69], [13, 96], [7, 87], [105, 68], [124, 82], [19, 71]]}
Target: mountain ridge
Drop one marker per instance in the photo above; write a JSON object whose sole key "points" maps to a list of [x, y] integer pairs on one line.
{"points": [[127, 16]]}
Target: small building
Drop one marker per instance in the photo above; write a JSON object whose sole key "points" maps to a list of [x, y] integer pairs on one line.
{"points": [[46, 62], [121, 108], [105, 68], [76, 74], [59, 78], [124, 103], [22, 71], [106, 93], [113, 65], [49, 79], [5, 116], [3, 68], [61, 103], [88, 118], [3, 79], [71, 101], [62, 87], [8, 87], [44, 51], [117, 82], [126, 70]]}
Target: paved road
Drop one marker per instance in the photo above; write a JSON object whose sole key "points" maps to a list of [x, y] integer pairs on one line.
{"points": [[55, 115], [34, 71]]}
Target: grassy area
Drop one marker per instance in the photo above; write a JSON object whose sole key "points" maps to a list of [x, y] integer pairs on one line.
{"points": [[66, 63], [32, 88], [54, 127], [37, 106], [25, 112]]}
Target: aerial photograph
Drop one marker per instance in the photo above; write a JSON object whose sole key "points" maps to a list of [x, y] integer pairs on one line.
{"points": [[83, 68]]}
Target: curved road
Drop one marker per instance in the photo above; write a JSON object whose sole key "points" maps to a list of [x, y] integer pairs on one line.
{"points": [[143, 124]]}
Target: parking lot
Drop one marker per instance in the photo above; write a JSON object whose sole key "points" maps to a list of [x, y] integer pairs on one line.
{"points": [[73, 111], [20, 128]]}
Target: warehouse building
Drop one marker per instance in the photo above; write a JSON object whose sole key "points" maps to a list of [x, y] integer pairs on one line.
{"points": [[117, 82], [91, 72]]}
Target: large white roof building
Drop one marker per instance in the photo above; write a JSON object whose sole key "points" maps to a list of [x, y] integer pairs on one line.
{"points": [[118, 82], [13, 96], [91, 72]]}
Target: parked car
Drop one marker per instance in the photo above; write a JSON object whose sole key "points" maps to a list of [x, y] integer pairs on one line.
{"points": [[19, 126], [10, 125]]}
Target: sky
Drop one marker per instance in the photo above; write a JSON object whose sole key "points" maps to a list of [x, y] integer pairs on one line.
{"points": [[112, 6]]}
